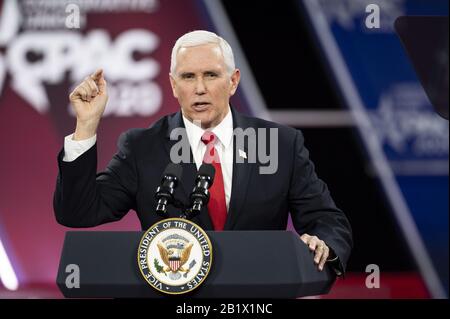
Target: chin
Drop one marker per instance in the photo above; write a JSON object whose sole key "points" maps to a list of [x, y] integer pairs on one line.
{"points": [[206, 124], [205, 119]]}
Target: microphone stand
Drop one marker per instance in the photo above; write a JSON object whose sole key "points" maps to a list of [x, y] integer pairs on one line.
{"points": [[187, 212]]}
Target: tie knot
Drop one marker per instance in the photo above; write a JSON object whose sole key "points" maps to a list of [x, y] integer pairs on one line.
{"points": [[208, 137]]}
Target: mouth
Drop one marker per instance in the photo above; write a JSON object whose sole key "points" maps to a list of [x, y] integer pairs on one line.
{"points": [[200, 106]]}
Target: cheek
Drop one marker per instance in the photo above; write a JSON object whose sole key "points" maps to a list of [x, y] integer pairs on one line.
{"points": [[224, 91], [183, 94]]}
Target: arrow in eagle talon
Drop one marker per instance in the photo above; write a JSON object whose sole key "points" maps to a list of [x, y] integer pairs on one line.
{"points": [[192, 264]]}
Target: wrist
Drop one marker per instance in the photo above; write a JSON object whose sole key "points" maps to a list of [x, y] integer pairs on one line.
{"points": [[85, 130]]}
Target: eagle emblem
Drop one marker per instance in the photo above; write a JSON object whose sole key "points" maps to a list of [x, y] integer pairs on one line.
{"points": [[174, 251]]}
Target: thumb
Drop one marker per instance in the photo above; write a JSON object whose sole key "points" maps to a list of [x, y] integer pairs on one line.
{"points": [[97, 74]]}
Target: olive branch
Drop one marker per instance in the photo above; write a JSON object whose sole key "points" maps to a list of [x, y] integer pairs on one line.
{"points": [[159, 268]]}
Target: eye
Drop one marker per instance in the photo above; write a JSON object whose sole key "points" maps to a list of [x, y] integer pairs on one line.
{"points": [[187, 76], [211, 75]]}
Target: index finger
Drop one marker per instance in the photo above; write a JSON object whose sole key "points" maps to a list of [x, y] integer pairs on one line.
{"points": [[305, 238], [97, 75]]}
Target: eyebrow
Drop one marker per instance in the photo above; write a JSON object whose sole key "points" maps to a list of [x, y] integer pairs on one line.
{"points": [[185, 74], [211, 72]]}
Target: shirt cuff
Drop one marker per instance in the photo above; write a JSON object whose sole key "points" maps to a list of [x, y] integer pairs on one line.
{"points": [[335, 264], [333, 259], [74, 149]]}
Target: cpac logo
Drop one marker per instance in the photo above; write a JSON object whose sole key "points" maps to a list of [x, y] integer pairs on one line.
{"points": [[38, 58], [405, 121]]}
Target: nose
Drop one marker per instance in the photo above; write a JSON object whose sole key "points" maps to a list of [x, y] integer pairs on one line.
{"points": [[200, 87]]}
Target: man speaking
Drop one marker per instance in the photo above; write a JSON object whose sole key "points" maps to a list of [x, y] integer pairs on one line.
{"points": [[203, 77]]}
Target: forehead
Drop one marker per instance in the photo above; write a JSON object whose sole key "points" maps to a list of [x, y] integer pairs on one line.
{"points": [[199, 58]]}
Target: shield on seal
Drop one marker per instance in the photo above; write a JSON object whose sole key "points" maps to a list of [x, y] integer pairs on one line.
{"points": [[174, 264]]}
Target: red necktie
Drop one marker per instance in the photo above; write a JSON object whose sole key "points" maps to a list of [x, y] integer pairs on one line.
{"points": [[217, 206]]}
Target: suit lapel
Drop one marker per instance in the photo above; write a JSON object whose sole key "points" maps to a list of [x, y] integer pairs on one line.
{"points": [[189, 168], [241, 176]]}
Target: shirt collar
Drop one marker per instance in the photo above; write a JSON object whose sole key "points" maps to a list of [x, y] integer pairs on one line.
{"points": [[223, 131]]}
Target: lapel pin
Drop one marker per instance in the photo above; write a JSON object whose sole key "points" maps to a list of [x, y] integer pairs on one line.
{"points": [[242, 154]]}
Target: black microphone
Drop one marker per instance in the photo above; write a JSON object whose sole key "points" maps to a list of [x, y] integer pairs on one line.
{"points": [[164, 192], [200, 194]]}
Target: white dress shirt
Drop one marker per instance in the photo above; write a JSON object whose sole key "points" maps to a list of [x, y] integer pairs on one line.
{"points": [[224, 146]]}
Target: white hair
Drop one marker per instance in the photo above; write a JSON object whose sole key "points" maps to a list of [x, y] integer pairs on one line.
{"points": [[200, 37]]}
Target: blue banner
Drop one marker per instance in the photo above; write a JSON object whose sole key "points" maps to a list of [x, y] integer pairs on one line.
{"points": [[404, 136]]}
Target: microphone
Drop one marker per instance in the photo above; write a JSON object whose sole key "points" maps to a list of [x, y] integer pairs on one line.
{"points": [[200, 194], [164, 192]]}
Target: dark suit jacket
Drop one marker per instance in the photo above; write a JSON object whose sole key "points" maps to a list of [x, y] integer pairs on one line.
{"points": [[258, 202]]}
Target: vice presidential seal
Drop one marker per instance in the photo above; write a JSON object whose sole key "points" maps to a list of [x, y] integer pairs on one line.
{"points": [[174, 256]]}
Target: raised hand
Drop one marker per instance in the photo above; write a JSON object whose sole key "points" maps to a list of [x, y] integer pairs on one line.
{"points": [[89, 101]]}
